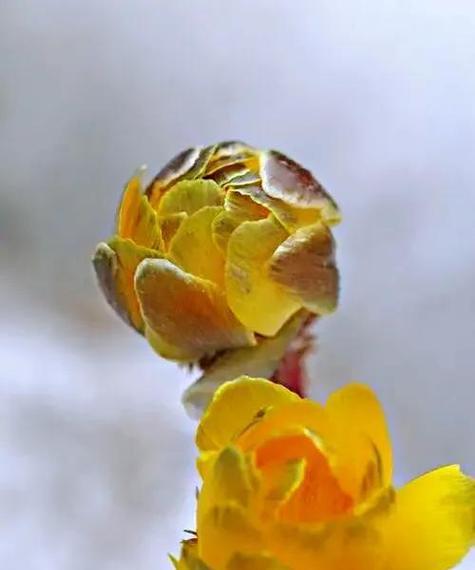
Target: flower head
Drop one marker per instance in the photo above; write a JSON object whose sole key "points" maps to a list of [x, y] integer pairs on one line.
{"points": [[292, 484], [222, 249]]}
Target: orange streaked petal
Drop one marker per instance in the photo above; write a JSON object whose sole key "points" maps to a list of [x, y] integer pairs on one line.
{"points": [[319, 498], [136, 219]]}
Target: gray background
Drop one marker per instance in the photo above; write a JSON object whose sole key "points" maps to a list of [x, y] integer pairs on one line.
{"points": [[376, 97]]}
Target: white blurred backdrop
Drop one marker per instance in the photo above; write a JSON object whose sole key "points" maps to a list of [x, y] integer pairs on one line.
{"points": [[376, 97]]}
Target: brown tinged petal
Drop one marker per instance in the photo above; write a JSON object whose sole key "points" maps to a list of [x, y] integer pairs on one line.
{"points": [[285, 179], [187, 165], [186, 311], [115, 264], [305, 265]]}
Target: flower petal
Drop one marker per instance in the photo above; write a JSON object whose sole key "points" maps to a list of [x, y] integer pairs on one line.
{"points": [[225, 531], [319, 498], [254, 562], [259, 361], [304, 264], [257, 301], [361, 438], [193, 248], [115, 264], [346, 545], [186, 311], [285, 179], [169, 225], [433, 524], [234, 407], [189, 164], [190, 196], [226, 482], [136, 219], [238, 208]]}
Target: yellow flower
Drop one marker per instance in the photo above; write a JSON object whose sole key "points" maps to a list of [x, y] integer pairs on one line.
{"points": [[222, 249], [292, 484]]}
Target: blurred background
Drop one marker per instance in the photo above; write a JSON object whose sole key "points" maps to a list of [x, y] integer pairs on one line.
{"points": [[376, 97]]}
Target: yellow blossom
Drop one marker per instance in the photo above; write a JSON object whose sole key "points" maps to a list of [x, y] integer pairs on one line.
{"points": [[224, 247], [289, 484]]}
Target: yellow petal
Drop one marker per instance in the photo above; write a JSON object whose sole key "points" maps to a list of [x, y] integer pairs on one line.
{"points": [[188, 165], [291, 217], [286, 180], [254, 562], [224, 532], [185, 311], [115, 264], [226, 482], [433, 524], [360, 435], [257, 301], [169, 225], [304, 264], [238, 208], [259, 361], [190, 196], [193, 248], [136, 219], [234, 406], [349, 545]]}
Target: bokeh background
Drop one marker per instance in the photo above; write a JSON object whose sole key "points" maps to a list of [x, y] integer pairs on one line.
{"points": [[376, 97]]}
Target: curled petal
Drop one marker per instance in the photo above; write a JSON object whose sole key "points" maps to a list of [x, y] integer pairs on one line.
{"points": [[246, 397], [291, 217], [189, 164], [186, 311], [238, 208], [190, 196], [361, 438], [286, 180], [433, 523], [115, 264], [193, 248], [319, 498], [136, 219], [259, 302], [304, 264]]}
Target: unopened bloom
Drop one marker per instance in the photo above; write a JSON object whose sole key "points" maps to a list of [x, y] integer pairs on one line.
{"points": [[219, 252], [292, 484]]}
